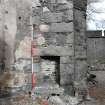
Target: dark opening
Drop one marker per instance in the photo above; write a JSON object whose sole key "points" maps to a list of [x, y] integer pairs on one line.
{"points": [[56, 59]]}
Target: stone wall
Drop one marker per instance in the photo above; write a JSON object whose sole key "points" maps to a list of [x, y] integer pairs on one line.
{"points": [[7, 10], [65, 37], [23, 40], [80, 42], [1, 30], [59, 40], [15, 36]]}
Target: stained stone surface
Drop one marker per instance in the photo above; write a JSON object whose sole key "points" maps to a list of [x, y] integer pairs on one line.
{"points": [[66, 37], [60, 38], [15, 36]]}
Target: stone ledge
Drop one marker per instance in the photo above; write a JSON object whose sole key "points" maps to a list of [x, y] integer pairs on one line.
{"points": [[55, 51]]}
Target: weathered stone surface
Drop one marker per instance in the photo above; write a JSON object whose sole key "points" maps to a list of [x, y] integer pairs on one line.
{"points": [[16, 21], [66, 68], [23, 20], [68, 15], [24, 49], [36, 20], [2, 42], [57, 39], [66, 73], [80, 51], [10, 25], [55, 51], [64, 6], [27, 78], [35, 3], [17, 81], [66, 59], [80, 44], [53, 1], [66, 79], [70, 2], [95, 51], [80, 67], [61, 27], [36, 11], [52, 17], [60, 38], [70, 38], [80, 40], [52, 7]]}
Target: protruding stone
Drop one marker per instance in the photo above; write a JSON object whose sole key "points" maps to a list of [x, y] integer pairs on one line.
{"points": [[55, 51]]}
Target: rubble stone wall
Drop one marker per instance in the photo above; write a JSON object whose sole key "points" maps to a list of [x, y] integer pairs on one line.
{"points": [[60, 37], [65, 37], [15, 36]]}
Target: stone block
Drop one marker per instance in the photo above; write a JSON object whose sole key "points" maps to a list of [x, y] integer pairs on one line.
{"points": [[81, 68], [52, 7], [68, 89], [23, 22], [61, 7], [68, 15], [70, 38], [80, 52], [69, 2], [36, 12], [80, 38], [52, 17], [57, 39], [64, 5], [55, 51], [66, 68], [66, 59], [28, 79], [61, 27], [36, 20], [66, 79]]}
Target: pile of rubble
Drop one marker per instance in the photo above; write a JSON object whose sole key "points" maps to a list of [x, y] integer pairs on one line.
{"points": [[45, 94], [52, 95], [39, 100]]}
